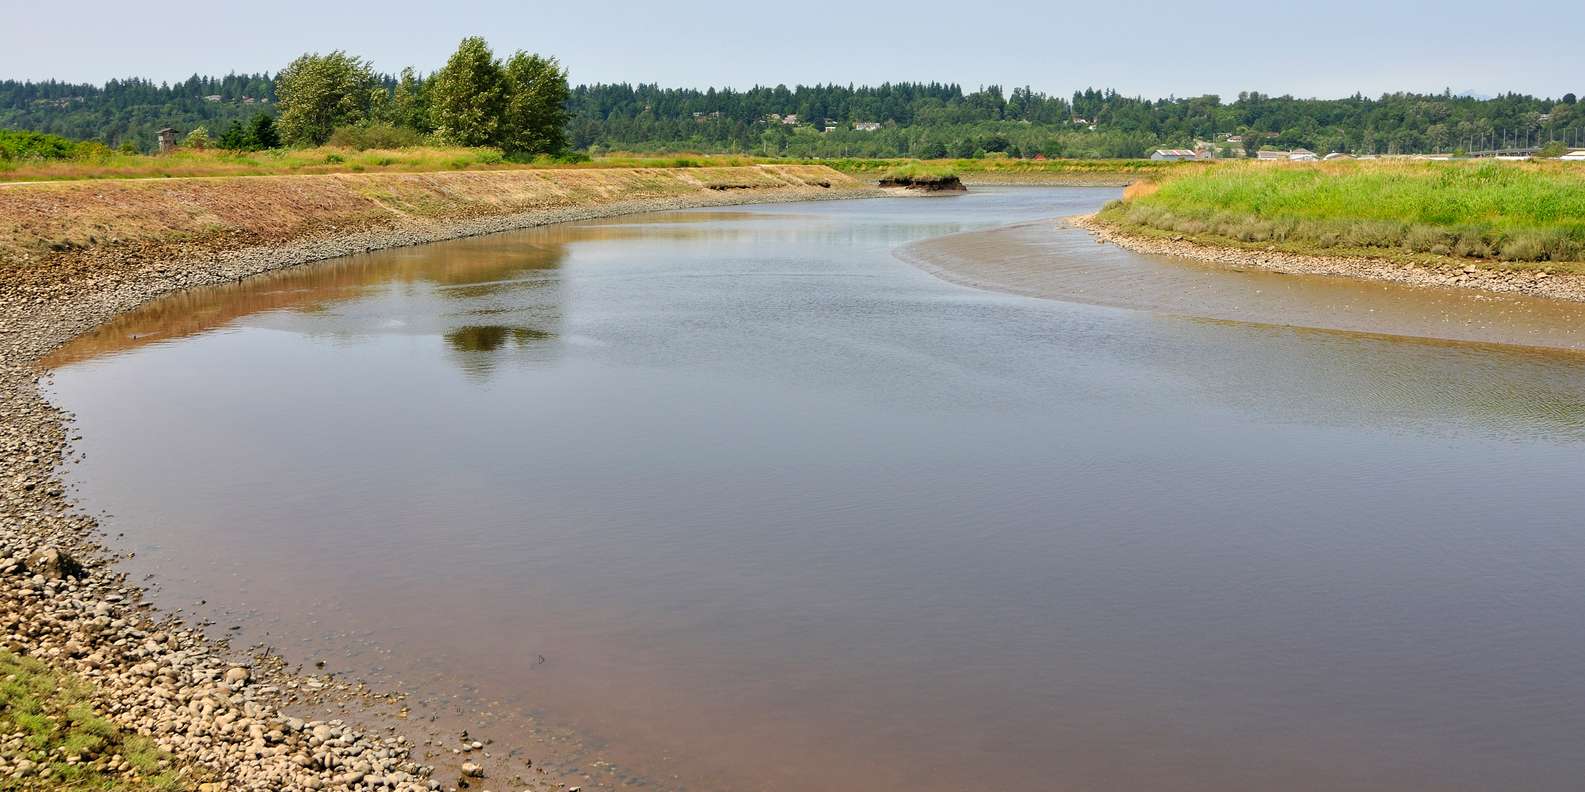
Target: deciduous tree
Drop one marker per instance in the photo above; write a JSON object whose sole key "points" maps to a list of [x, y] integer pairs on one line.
{"points": [[468, 96], [535, 120], [318, 93]]}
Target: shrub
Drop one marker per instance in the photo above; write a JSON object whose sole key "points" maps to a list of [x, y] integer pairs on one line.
{"points": [[1375, 233], [1284, 229], [1426, 239], [198, 138], [1472, 244], [17, 144], [1252, 231], [91, 151], [375, 136], [1524, 246]]}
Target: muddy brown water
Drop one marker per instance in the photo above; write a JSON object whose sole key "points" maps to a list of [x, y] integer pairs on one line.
{"points": [[743, 501]]}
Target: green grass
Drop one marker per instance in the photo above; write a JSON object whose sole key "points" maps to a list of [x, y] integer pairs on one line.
{"points": [[46, 718], [919, 173], [1525, 214]]}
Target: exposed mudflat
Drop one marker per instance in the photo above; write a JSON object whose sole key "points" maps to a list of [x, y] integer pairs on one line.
{"points": [[1062, 260]]}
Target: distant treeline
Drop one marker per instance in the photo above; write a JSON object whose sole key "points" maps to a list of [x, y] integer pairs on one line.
{"points": [[923, 120], [133, 110], [934, 120]]}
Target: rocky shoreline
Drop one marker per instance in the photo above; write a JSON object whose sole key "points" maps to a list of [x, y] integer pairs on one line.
{"points": [[220, 714], [1513, 281]]}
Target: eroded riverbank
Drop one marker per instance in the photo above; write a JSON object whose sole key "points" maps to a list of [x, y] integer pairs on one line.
{"points": [[216, 707]]}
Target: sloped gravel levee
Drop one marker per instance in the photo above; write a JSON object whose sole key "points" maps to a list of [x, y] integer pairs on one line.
{"points": [[220, 714]]}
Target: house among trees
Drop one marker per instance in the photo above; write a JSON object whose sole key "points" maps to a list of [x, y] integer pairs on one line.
{"points": [[866, 126], [1172, 154]]}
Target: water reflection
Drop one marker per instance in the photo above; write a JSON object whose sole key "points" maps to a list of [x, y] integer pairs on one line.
{"points": [[442, 290], [475, 345]]}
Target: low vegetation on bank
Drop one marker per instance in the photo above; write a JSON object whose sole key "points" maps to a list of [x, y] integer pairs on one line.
{"points": [[376, 149], [51, 737], [1521, 213], [346, 154], [922, 176]]}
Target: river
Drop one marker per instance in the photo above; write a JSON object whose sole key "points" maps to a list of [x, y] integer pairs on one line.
{"points": [[744, 500]]}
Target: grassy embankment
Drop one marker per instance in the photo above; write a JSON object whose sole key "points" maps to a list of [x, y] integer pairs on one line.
{"points": [[51, 738], [105, 164], [1515, 214], [97, 162]]}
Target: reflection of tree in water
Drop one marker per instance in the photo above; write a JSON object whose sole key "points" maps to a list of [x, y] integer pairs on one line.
{"points": [[478, 348], [488, 338], [459, 270]]}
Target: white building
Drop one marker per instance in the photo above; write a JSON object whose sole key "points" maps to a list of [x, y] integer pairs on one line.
{"points": [[1172, 154], [1577, 155]]}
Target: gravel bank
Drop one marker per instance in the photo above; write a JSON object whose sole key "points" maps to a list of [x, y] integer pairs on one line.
{"points": [[62, 599], [1530, 282]]}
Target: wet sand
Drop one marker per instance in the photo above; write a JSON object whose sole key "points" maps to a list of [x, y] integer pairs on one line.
{"points": [[1055, 260]]}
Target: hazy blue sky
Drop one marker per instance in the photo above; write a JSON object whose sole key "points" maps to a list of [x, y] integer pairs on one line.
{"points": [[1136, 46]]}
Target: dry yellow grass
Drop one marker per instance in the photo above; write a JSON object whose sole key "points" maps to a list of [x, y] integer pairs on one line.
{"points": [[1140, 189], [190, 163]]}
